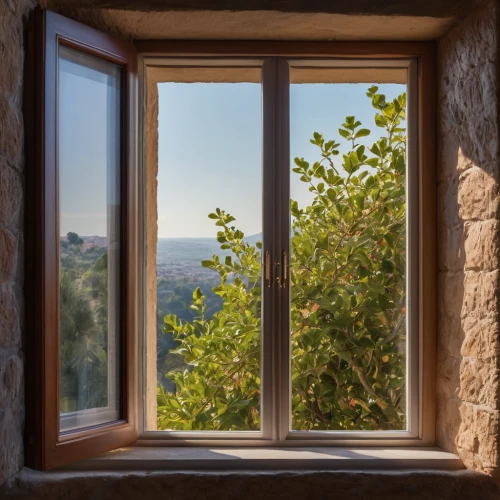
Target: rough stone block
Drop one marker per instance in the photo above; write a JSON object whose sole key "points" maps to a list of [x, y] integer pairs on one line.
{"points": [[478, 195], [11, 437], [481, 245], [11, 376], [10, 330], [480, 295], [486, 427], [482, 338], [479, 427], [11, 412], [11, 57], [479, 381], [11, 196], [11, 138], [8, 255]]}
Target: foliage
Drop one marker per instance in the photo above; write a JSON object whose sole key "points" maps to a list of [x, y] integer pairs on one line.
{"points": [[348, 295], [174, 296], [83, 296], [74, 239]]}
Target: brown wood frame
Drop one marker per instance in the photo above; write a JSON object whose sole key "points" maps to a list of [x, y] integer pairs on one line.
{"points": [[425, 53], [46, 448]]}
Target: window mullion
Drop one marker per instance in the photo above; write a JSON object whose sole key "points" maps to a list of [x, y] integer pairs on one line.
{"points": [[269, 249], [283, 236], [276, 224]]}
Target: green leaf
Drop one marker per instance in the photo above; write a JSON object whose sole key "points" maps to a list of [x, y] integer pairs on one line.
{"points": [[370, 181], [318, 138], [373, 162], [344, 133], [380, 121], [331, 194], [359, 200], [362, 132]]}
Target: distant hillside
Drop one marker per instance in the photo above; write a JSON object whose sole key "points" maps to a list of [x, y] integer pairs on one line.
{"points": [[97, 241], [181, 257], [253, 238]]}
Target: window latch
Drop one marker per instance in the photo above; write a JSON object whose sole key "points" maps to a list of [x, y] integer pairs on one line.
{"points": [[284, 281], [267, 270]]}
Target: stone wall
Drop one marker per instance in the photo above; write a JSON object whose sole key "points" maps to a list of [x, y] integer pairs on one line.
{"points": [[469, 245], [12, 13]]}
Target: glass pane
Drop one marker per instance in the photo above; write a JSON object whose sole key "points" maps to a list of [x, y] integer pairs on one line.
{"points": [[89, 222], [348, 252], [208, 254]]}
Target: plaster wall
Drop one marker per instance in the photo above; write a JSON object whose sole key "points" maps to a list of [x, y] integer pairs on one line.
{"points": [[139, 19], [256, 25], [468, 398]]}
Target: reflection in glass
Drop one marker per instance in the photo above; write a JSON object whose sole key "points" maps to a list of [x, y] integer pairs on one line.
{"points": [[89, 221], [208, 256], [348, 262]]}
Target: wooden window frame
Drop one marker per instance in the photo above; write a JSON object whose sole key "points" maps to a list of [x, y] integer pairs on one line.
{"points": [[423, 54], [46, 447]]}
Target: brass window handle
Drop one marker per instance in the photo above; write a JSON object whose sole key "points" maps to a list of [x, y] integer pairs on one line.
{"points": [[281, 270], [284, 282], [267, 265]]}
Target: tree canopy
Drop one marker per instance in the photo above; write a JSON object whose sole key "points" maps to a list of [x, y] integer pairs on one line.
{"points": [[347, 282]]}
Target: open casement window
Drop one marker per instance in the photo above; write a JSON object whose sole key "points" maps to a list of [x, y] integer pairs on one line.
{"points": [[80, 270], [262, 274]]}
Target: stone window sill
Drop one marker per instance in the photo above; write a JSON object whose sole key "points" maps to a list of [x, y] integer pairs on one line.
{"points": [[226, 459]]}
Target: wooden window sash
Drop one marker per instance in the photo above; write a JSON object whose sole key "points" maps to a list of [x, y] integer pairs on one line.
{"points": [[46, 447]]}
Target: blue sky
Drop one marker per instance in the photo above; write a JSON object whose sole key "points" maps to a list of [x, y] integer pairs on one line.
{"points": [[210, 148], [86, 96]]}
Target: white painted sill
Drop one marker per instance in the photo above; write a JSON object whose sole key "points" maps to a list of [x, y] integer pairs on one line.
{"points": [[267, 459]]}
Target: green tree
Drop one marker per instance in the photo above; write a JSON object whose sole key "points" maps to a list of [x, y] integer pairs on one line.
{"points": [[348, 295], [83, 350], [83, 295], [74, 239]]}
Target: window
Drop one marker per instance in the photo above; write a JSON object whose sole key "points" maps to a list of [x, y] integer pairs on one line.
{"points": [[89, 272], [81, 235], [262, 272], [283, 291]]}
